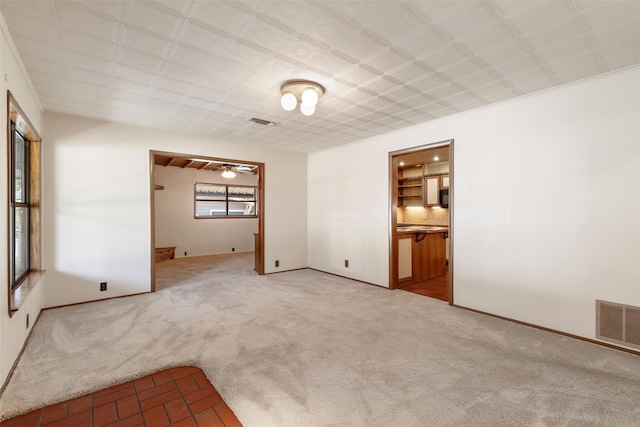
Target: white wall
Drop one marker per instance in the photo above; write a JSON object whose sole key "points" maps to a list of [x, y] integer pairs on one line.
{"points": [[13, 331], [176, 226], [348, 209], [97, 182], [547, 203]]}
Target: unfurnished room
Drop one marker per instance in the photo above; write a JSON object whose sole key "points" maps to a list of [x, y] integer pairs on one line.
{"points": [[320, 213]]}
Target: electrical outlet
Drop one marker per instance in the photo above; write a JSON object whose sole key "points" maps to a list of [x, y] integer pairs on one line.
{"points": [[277, 263], [233, 249], [103, 286], [346, 263], [185, 253], [27, 320]]}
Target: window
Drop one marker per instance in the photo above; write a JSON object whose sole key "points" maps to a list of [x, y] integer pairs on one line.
{"points": [[19, 211], [24, 242], [220, 200]]}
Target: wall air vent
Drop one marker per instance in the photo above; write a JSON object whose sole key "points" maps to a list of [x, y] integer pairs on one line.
{"points": [[262, 121], [618, 323]]}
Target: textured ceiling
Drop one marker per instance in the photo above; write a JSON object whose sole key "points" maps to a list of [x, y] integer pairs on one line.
{"points": [[205, 67]]}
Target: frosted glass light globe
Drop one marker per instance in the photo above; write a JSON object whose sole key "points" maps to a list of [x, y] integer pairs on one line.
{"points": [[307, 109], [228, 173], [288, 101], [309, 96]]}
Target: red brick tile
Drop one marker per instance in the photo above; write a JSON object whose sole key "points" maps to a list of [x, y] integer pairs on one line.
{"points": [[105, 414], [156, 417], [201, 394], [72, 420], [183, 371], [132, 421], [159, 400], [144, 395], [112, 397], [112, 389], [26, 420], [144, 383], [177, 410], [187, 422], [208, 418], [80, 404], [205, 403], [201, 379], [187, 385], [127, 406], [226, 414], [55, 412], [162, 377]]}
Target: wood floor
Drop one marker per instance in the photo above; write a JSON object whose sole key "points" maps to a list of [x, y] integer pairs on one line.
{"points": [[437, 287]]}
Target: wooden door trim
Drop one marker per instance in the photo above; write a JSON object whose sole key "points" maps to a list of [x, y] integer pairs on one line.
{"points": [[261, 204], [393, 206]]}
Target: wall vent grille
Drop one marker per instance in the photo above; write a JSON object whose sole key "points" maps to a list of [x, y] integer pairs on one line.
{"points": [[618, 323]]}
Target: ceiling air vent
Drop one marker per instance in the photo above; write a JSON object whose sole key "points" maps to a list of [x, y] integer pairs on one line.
{"points": [[618, 323], [261, 121]]}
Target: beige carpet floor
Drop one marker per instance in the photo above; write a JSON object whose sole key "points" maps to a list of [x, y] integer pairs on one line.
{"points": [[304, 348]]}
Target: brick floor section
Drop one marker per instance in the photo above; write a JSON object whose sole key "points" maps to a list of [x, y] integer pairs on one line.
{"points": [[179, 397]]}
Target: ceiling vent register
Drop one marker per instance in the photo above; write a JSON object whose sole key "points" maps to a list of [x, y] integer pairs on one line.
{"points": [[618, 323], [262, 122]]}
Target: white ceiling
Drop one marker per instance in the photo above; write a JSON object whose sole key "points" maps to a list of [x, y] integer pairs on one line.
{"points": [[205, 67]]}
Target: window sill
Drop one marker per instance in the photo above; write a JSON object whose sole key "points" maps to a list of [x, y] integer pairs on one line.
{"points": [[225, 216], [19, 295]]}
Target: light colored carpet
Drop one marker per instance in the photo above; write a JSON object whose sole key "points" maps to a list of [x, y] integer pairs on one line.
{"points": [[304, 348]]}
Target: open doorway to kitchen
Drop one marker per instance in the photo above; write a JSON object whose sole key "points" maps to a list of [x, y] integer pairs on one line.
{"points": [[212, 206], [421, 220]]}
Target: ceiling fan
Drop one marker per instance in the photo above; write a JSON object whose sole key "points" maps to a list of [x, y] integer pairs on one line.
{"points": [[229, 170]]}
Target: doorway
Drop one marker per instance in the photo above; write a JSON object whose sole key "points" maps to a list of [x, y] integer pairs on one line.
{"points": [[421, 220], [228, 204]]}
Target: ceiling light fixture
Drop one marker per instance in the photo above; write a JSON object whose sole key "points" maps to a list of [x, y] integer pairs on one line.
{"points": [[228, 173], [305, 92]]}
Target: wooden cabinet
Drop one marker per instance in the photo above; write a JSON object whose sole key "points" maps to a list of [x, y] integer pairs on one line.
{"points": [[405, 261], [415, 189], [410, 190], [429, 256], [444, 181], [421, 256], [432, 190]]}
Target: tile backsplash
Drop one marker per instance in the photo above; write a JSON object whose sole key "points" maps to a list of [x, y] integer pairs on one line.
{"points": [[434, 216]]}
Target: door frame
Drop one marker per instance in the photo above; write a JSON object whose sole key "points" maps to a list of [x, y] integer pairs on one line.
{"points": [[260, 238], [393, 210]]}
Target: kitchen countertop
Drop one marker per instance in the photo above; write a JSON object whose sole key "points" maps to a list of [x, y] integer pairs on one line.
{"points": [[421, 228]]}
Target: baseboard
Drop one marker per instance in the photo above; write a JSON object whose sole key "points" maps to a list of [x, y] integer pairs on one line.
{"points": [[97, 300], [555, 331], [349, 278], [24, 346], [283, 271]]}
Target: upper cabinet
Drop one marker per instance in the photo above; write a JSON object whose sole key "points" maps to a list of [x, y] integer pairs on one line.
{"points": [[415, 189], [423, 178], [444, 181], [432, 190], [410, 191]]}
